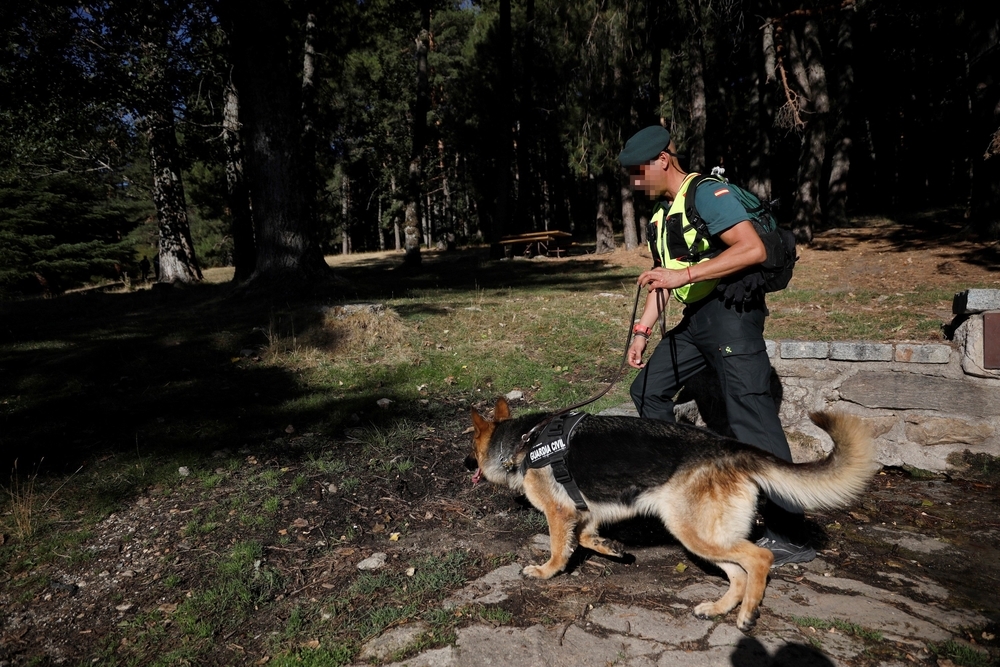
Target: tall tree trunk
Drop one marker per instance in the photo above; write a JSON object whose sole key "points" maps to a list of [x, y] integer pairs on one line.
{"points": [[526, 198], [605, 231], [395, 219], [762, 106], [428, 233], [840, 160], [695, 140], [811, 75], [176, 257], [628, 216], [345, 210], [654, 46], [378, 228], [984, 139], [502, 215], [310, 172], [412, 221], [449, 210], [288, 250], [237, 193]]}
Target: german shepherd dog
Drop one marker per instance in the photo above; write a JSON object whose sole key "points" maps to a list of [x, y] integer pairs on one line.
{"points": [[703, 487]]}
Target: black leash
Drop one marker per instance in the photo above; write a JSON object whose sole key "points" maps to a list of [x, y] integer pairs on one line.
{"points": [[530, 435]]}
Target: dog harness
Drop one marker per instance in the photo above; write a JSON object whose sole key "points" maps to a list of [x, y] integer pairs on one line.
{"points": [[551, 448]]}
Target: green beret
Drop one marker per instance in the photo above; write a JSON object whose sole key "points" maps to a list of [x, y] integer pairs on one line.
{"points": [[644, 146]]}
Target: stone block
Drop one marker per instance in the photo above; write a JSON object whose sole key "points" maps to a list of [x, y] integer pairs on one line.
{"points": [[923, 354], [975, 301], [394, 641], [860, 351], [650, 624], [814, 371], [946, 431], [801, 349], [880, 425], [772, 348], [911, 391]]}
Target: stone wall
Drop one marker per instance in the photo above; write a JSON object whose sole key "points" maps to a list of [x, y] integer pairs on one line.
{"points": [[923, 401]]}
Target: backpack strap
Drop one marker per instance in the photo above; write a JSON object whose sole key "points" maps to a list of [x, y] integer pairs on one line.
{"points": [[694, 217]]}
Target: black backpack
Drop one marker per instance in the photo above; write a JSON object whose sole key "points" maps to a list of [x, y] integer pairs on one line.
{"points": [[779, 242]]}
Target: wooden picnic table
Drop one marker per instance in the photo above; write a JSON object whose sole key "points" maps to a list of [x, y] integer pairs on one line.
{"points": [[554, 242]]}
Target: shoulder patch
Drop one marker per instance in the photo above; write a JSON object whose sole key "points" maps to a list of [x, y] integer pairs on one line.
{"points": [[721, 191]]}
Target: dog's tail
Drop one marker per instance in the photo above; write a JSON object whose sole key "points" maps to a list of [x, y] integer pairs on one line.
{"points": [[831, 482]]}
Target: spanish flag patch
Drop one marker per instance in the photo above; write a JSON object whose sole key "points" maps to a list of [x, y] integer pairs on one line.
{"points": [[723, 191]]}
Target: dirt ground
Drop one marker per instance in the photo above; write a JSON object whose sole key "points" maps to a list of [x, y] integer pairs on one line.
{"points": [[118, 604]]}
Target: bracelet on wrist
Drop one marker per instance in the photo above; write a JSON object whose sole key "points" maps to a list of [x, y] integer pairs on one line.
{"points": [[641, 330]]}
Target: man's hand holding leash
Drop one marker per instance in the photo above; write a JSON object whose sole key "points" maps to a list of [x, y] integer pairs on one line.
{"points": [[659, 281], [635, 350], [668, 279]]}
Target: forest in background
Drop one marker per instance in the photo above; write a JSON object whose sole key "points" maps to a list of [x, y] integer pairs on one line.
{"points": [[264, 134]]}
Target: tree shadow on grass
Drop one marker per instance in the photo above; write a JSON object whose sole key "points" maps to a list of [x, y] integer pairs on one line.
{"points": [[925, 231], [88, 374], [177, 369]]}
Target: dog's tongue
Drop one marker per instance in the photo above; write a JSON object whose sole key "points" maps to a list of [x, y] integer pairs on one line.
{"points": [[478, 476]]}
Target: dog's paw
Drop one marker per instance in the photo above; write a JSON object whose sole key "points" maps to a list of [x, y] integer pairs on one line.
{"points": [[616, 549], [745, 622], [603, 546], [538, 572], [705, 610]]}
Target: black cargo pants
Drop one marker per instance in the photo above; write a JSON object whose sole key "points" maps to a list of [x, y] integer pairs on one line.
{"points": [[731, 343]]}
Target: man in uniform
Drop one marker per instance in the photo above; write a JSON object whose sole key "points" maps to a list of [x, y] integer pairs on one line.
{"points": [[718, 330]]}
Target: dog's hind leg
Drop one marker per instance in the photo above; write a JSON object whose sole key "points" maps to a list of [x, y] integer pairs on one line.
{"points": [[711, 525], [757, 563], [562, 520], [747, 566], [589, 538], [737, 587]]}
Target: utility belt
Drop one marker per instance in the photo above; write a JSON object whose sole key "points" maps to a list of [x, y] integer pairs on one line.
{"points": [[551, 448]]}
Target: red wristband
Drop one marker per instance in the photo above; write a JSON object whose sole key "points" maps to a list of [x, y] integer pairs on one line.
{"points": [[689, 276], [641, 330]]}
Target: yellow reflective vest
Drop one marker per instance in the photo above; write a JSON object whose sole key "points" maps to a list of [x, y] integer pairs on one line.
{"points": [[676, 244]]}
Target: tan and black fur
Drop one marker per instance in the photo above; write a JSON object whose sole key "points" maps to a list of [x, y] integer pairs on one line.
{"points": [[703, 487]]}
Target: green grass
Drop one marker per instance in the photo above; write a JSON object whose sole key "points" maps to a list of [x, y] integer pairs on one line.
{"points": [[495, 615], [240, 587], [135, 386], [846, 627], [963, 655], [325, 656], [272, 504], [979, 464], [374, 602]]}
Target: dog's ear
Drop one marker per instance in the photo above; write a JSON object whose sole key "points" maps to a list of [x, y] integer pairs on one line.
{"points": [[501, 411], [479, 423], [481, 438]]}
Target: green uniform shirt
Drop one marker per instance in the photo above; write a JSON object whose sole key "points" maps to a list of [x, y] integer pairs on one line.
{"points": [[719, 206]]}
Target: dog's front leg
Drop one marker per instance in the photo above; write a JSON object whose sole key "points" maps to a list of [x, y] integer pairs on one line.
{"points": [[539, 487]]}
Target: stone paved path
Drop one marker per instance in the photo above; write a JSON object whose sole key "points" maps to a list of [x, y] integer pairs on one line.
{"points": [[810, 617], [634, 636]]}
